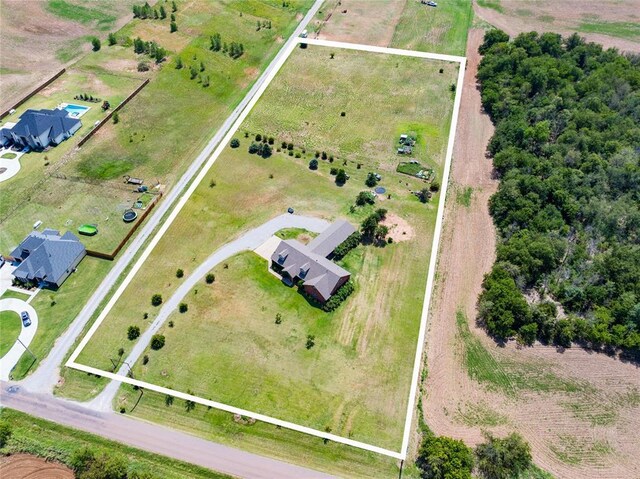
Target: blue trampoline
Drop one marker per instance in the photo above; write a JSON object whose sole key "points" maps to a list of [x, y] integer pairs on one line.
{"points": [[380, 190]]}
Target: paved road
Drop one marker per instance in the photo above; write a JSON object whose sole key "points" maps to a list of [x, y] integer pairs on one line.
{"points": [[9, 360], [153, 438], [46, 376], [247, 242]]}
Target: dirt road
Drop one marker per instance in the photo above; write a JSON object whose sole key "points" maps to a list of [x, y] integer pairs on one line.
{"points": [[580, 411]]}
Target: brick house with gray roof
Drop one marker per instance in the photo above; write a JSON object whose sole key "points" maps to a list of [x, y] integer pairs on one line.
{"points": [[311, 263], [47, 258]]}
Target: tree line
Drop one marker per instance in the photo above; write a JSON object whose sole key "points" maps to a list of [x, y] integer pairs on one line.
{"points": [[441, 457], [566, 148]]}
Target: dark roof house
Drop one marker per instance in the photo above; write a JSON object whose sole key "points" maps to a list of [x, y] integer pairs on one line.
{"points": [[309, 263], [47, 258], [41, 128]]}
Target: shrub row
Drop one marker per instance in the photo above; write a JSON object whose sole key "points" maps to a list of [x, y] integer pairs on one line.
{"points": [[336, 300], [347, 245]]}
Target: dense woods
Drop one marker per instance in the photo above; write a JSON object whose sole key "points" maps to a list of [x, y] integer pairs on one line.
{"points": [[567, 151]]}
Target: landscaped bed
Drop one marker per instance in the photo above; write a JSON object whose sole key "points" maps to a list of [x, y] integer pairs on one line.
{"points": [[371, 338]]}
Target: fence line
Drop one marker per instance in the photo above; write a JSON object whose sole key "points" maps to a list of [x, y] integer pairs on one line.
{"points": [[33, 92], [108, 117], [111, 256]]}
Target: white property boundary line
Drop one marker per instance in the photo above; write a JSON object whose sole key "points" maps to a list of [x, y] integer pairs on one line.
{"points": [[71, 363]]}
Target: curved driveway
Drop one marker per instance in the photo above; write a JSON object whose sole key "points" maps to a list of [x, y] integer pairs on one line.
{"points": [[247, 242], [9, 360], [11, 165]]}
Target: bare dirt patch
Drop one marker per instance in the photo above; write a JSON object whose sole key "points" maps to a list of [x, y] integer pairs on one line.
{"points": [[358, 21], [565, 17], [580, 411], [25, 466], [399, 228]]}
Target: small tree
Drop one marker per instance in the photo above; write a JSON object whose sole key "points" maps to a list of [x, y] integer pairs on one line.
{"points": [[183, 307], [173, 27], [365, 197], [210, 278], [435, 186], [324, 155], [112, 39], [381, 232], [116, 118], [174, 8], [503, 458], [266, 151], [258, 137], [156, 300], [133, 332], [193, 72], [179, 273], [95, 44], [311, 341], [278, 318], [163, 13], [235, 143], [120, 352], [145, 359], [371, 180], [157, 341], [168, 400], [341, 177], [179, 64], [201, 66], [173, 17], [313, 164], [189, 405], [424, 195], [5, 433]]}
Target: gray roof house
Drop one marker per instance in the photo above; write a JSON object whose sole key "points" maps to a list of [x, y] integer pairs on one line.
{"points": [[40, 128], [47, 258], [321, 277]]}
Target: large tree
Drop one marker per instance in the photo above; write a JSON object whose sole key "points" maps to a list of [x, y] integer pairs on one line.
{"points": [[444, 458], [503, 458]]}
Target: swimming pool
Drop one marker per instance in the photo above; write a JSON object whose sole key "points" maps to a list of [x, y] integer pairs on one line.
{"points": [[76, 111]]}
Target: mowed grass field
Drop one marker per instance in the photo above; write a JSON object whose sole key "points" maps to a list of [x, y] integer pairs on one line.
{"points": [[373, 336], [403, 24], [173, 118], [441, 30]]}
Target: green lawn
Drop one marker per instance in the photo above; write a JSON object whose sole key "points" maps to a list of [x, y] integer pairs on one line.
{"points": [[441, 30], [14, 294], [54, 442], [10, 327], [100, 13]]}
